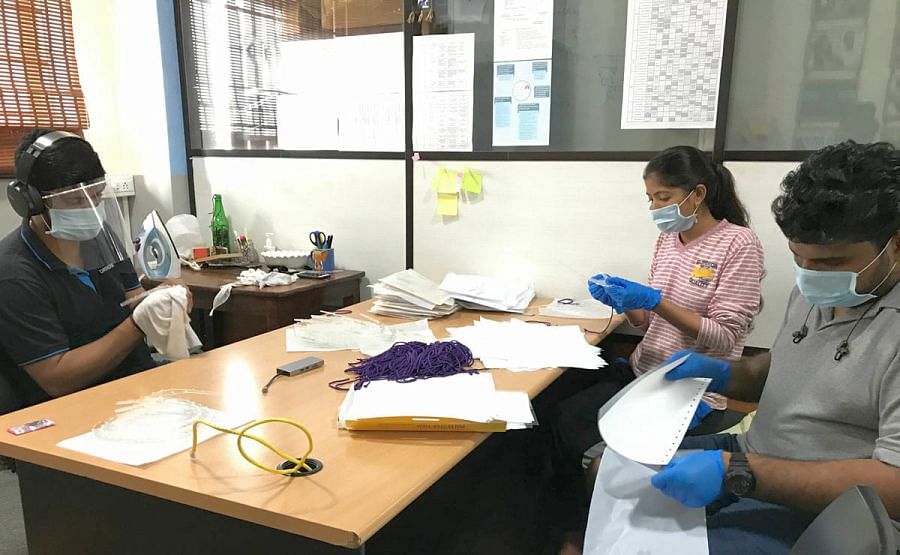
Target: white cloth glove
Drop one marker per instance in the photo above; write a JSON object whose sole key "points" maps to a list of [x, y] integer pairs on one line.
{"points": [[163, 317]]}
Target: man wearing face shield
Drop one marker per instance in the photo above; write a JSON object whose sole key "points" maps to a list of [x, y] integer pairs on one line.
{"points": [[64, 273], [829, 389]]}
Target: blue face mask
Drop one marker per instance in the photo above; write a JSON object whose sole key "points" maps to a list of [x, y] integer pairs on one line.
{"points": [[75, 224], [836, 289], [668, 219]]}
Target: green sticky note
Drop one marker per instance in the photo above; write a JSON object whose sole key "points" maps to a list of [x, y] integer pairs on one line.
{"points": [[447, 204], [472, 182]]}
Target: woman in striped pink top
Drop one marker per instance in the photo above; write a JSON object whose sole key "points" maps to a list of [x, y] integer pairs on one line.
{"points": [[703, 290]]}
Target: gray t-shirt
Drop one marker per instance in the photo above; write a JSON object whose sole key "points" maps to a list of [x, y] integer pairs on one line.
{"points": [[816, 408]]}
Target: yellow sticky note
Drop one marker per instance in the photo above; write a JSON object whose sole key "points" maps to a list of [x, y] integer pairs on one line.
{"points": [[448, 204], [472, 182], [448, 183], [438, 179]]}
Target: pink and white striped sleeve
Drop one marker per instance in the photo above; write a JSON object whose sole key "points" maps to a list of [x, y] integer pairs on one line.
{"points": [[736, 299]]}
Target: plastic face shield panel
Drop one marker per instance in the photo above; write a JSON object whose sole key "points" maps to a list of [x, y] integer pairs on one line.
{"points": [[87, 213]]}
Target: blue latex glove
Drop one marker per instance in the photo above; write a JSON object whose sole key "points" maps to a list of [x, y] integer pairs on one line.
{"points": [[703, 409], [695, 480], [701, 366], [628, 295], [598, 290]]}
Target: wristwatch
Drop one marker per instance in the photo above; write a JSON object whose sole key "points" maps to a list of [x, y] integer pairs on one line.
{"points": [[739, 479]]}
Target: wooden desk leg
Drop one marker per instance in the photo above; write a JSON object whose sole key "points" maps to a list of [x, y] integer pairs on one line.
{"points": [[65, 513]]}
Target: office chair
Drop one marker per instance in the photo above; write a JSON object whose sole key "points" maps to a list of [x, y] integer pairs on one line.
{"points": [[856, 523]]}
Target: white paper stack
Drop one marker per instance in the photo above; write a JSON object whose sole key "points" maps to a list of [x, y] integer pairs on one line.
{"points": [[519, 346], [409, 294], [488, 293], [470, 398]]}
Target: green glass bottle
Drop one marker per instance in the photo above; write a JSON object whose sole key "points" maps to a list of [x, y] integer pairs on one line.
{"points": [[220, 229]]}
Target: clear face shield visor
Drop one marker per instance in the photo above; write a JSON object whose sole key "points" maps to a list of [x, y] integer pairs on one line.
{"points": [[88, 214]]}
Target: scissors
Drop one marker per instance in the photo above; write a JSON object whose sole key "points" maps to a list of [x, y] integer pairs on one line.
{"points": [[318, 239], [566, 300]]}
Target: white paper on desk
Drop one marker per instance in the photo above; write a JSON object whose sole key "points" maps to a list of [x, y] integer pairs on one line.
{"points": [[144, 449], [414, 283], [346, 333], [412, 331], [583, 309], [469, 397], [628, 515], [384, 290], [647, 420], [494, 293], [514, 408], [465, 396], [521, 346]]}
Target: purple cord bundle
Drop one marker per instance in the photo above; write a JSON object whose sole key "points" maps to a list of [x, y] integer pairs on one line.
{"points": [[413, 360]]}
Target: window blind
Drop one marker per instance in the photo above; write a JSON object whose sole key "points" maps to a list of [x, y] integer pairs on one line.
{"points": [[235, 45], [39, 85]]}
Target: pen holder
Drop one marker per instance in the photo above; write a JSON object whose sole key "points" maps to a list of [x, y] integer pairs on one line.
{"points": [[249, 256], [322, 260]]}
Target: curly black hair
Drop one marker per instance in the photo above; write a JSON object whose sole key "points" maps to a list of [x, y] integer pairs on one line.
{"points": [[66, 162], [843, 193]]}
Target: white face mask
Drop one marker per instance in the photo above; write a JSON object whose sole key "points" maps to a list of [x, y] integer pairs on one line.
{"points": [[668, 219], [75, 224]]}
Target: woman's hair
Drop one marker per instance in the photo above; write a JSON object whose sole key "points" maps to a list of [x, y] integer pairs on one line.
{"points": [[685, 167]]}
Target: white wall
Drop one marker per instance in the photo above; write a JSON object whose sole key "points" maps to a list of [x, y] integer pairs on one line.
{"points": [[557, 223], [9, 220], [361, 202], [117, 43]]}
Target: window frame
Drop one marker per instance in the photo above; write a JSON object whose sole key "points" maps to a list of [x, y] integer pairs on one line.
{"points": [[718, 152]]}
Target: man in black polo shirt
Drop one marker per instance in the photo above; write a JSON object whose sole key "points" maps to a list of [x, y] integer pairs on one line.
{"points": [[63, 275]]}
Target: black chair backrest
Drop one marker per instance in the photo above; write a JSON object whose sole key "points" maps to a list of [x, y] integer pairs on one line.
{"points": [[856, 523]]}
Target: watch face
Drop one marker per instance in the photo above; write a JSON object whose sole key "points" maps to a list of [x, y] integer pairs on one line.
{"points": [[740, 484]]}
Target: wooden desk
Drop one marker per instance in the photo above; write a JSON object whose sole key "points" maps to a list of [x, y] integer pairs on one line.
{"points": [[252, 311], [75, 503]]}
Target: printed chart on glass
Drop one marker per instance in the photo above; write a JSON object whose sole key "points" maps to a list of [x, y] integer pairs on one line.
{"points": [[829, 109], [673, 58], [523, 72], [891, 115]]}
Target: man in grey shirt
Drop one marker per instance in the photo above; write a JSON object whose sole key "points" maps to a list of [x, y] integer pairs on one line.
{"points": [[829, 389]]}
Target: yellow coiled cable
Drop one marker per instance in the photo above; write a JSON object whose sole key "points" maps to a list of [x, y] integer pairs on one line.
{"points": [[242, 433]]}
